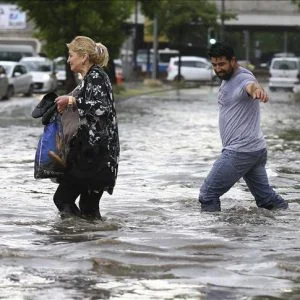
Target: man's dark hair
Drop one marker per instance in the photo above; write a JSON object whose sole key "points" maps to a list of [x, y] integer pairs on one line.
{"points": [[221, 49]]}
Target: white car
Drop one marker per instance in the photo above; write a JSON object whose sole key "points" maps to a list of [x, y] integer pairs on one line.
{"points": [[43, 74], [60, 68], [20, 80], [193, 68], [284, 73]]}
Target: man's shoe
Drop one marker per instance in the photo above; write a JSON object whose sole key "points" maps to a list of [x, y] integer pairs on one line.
{"points": [[274, 205], [277, 203]]}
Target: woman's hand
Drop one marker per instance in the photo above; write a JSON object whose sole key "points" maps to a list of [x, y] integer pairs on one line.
{"points": [[61, 103]]}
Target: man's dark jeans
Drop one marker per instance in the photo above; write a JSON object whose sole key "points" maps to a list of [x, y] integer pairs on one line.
{"points": [[228, 169]]}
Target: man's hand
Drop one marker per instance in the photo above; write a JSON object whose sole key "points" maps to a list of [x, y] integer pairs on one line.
{"points": [[257, 92], [261, 95]]}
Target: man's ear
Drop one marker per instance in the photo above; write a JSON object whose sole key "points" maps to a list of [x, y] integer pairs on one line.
{"points": [[234, 61]]}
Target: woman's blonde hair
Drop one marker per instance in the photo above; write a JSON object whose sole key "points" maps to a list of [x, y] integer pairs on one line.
{"points": [[97, 52]]}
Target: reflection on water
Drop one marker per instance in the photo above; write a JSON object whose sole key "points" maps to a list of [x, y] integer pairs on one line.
{"points": [[154, 242]]}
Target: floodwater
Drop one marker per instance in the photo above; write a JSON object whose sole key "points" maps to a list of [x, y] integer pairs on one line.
{"points": [[154, 242]]}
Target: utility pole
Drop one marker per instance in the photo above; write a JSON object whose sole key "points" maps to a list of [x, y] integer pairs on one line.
{"points": [[135, 36], [155, 46]]}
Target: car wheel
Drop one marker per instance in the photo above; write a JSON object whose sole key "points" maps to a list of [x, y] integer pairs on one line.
{"points": [[30, 91], [179, 78], [9, 93]]}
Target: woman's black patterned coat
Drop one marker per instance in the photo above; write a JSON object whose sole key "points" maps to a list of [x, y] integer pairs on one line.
{"points": [[94, 152]]}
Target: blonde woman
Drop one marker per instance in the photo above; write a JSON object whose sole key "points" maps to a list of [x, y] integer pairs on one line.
{"points": [[92, 161]]}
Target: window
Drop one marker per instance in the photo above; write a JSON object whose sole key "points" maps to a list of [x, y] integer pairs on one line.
{"points": [[200, 64], [192, 64], [20, 69], [285, 65]]}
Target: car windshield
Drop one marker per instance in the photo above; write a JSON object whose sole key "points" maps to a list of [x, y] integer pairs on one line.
{"points": [[285, 65], [39, 66]]}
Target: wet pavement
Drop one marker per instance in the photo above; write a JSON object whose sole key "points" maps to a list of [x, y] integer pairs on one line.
{"points": [[154, 242]]}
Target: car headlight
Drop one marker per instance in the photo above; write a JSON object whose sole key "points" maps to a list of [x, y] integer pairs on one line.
{"points": [[46, 77]]}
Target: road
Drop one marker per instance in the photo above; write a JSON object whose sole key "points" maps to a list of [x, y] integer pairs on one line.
{"points": [[154, 242]]}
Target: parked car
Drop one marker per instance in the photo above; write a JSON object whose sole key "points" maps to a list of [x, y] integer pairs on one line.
{"points": [[119, 71], [61, 74], [284, 73], [4, 84], [60, 68], [43, 74], [20, 80], [296, 91], [284, 54], [193, 68], [145, 63]]}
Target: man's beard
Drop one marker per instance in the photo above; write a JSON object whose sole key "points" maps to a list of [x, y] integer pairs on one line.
{"points": [[225, 76]]}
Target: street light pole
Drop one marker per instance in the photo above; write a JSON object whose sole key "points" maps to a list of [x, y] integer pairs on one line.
{"points": [[222, 21]]}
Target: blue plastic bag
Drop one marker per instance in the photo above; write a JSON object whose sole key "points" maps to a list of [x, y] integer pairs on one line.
{"points": [[49, 157]]}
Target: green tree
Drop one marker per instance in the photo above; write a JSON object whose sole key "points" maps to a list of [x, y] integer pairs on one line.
{"points": [[59, 21], [297, 2], [178, 18]]}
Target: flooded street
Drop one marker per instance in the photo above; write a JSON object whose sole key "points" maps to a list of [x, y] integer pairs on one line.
{"points": [[154, 242]]}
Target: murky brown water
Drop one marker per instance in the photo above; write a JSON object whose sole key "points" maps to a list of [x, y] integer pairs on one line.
{"points": [[154, 243]]}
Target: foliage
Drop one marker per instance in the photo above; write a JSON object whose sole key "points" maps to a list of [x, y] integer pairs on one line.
{"points": [[176, 17], [297, 2], [59, 21]]}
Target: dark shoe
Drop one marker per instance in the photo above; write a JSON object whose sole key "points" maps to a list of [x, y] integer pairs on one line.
{"points": [[69, 210], [44, 105], [210, 207], [91, 216], [276, 205]]}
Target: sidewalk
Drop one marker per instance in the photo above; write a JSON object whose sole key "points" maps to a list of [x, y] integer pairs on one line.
{"points": [[135, 88]]}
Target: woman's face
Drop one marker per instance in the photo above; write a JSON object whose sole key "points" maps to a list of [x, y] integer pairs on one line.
{"points": [[75, 61]]}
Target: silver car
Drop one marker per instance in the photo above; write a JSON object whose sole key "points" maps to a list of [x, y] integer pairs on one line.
{"points": [[4, 84], [19, 79], [43, 73]]}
